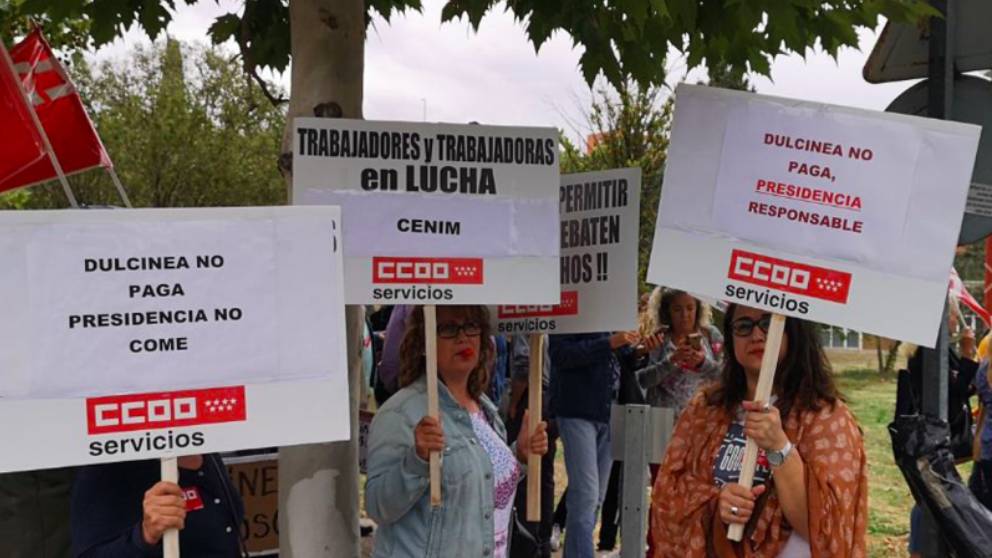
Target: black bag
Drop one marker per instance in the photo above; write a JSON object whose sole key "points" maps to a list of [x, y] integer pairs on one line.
{"points": [[920, 444], [523, 543], [961, 373]]}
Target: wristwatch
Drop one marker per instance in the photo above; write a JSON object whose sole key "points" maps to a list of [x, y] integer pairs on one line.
{"points": [[777, 458]]}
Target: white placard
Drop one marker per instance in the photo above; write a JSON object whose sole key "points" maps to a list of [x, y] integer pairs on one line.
{"points": [[843, 216], [436, 213], [86, 431], [145, 333], [600, 216]]}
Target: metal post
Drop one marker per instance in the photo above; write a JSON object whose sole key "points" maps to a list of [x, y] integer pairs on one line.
{"points": [[935, 373], [633, 517]]}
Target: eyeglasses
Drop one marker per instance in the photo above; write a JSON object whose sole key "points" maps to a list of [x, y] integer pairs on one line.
{"points": [[744, 327], [450, 331]]}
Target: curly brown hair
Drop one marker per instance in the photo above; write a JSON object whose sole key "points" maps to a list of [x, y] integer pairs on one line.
{"points": [[413, 364]]}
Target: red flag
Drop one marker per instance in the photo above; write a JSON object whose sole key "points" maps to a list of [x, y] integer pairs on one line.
{"points": [[60, 111], [20, 145], [957, 288]]}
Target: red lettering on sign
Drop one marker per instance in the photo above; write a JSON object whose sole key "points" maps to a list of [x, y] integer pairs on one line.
{"points": [[569, 306], [452, 271], [152, 411], [793, 277]]}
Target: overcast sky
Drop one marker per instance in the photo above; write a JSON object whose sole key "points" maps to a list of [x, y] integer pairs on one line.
{"points": [[415, 65]]}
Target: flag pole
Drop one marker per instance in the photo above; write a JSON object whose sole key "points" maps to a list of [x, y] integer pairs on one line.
{"points": [[120, 187], [41, 130]]}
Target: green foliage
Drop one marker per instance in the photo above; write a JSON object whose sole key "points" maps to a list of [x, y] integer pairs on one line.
{"points": [[970, 262], [18, 199], [631, 38], [261, 31], [70, 34], [629, 129], [184, 128], [622, 39]]}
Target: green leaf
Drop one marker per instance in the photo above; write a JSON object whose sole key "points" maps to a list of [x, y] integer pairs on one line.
{"points": [[224, 28]]}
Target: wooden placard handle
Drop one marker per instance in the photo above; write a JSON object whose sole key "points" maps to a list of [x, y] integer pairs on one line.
{"points": [[430, 342], [535, 390], [170, 540], [763, 392]]}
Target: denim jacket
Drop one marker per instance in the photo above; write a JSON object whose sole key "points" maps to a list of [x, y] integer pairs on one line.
{"points": [[397, 494]]}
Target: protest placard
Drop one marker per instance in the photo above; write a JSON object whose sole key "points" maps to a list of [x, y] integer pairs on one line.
{"points": [[600, 216], [149, 333], [839, 215], [436, 213], [256, 478]]}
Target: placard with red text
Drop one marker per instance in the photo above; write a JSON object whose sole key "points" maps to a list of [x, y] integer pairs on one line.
{"points": [[436, 213], [843, 216], [148, 333], [600, 218]]}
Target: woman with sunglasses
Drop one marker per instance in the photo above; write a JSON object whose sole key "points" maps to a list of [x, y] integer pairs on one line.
{"points": [[810, 488], [479, 470]]}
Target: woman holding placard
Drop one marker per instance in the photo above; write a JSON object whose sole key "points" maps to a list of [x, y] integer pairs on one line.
{"points": [[122, 510], [810, 493], [480, 471]]}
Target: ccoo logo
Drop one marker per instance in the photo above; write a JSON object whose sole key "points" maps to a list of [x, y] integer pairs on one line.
{"points": [[793, 277], [150, 411], [569, 306], [452, 271]]}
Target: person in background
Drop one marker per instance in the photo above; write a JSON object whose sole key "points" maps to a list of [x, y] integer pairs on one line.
{"points": [[499, 374], [684, 354], [629, 393], [122, 510], [34, 513], [479, 471], [388, 371], [962, 368], [810, 495], [584, 380], [519, 403], [980, 482], [689, 351]]}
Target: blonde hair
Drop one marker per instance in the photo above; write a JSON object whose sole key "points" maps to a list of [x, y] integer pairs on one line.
{"points": [[651, 319]]}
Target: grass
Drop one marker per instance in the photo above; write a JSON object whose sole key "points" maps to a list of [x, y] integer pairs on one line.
{"points": [[872, 400]]}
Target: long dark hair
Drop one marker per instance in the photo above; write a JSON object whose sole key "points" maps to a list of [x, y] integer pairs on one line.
{"points": [[413, 364], [804, 379]]}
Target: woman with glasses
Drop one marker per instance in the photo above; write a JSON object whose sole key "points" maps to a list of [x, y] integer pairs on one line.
{"points": [[810, 493], [479, 470]]}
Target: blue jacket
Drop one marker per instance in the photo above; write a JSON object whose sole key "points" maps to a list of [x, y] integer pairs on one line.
{"points": [[397, 494], [584, 376], [107, 511]]}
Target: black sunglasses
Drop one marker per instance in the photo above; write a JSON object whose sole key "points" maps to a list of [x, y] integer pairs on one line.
{"points": [[744, 327], [450, 331]]}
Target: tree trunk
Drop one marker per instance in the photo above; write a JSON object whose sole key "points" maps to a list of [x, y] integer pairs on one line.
{"points": [[318, 484], [890, 359]]}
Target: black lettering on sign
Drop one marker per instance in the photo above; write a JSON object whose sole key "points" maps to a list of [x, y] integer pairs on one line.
{"points": [[429, 226], [450, 180]]}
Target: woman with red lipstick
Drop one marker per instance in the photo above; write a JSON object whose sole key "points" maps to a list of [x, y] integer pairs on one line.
{"points": [[479, 470], [810, 490]]}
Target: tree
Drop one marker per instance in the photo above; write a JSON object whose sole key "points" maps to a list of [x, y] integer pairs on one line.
{"points": [[621, 39], [627, 38], [183, 127], [629, 129]]}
